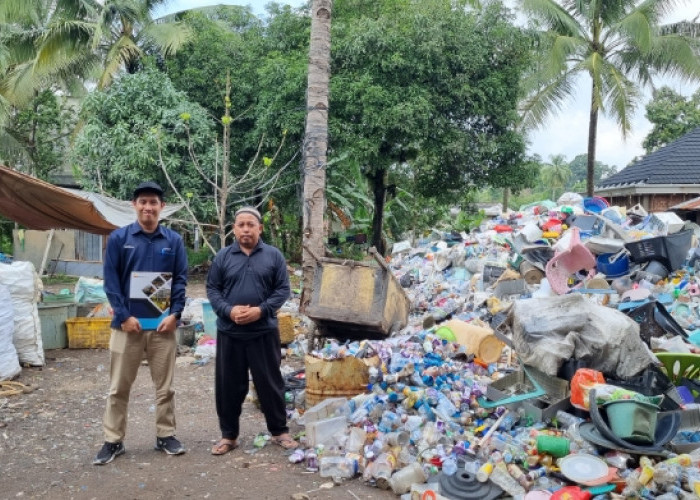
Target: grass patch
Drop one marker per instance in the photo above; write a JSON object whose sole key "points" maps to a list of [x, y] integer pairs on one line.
{"points": [[60, 279]]}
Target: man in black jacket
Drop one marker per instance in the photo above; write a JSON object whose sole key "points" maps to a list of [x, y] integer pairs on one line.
{"points": [[247, 284]]}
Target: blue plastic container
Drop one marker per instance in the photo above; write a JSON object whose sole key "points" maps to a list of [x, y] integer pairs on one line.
{"points": [[614, 269], [595, 204], [209, 318]]}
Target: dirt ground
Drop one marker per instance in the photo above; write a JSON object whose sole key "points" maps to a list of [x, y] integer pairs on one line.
{"points": [[49, 437]]}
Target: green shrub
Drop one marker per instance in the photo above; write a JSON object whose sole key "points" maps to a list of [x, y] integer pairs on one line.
{"points": [[198, 258]]}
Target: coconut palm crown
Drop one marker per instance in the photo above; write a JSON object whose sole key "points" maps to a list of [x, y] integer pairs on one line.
{"points": [[620, 44]]}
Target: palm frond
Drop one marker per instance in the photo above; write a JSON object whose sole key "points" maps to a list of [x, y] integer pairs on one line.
{"points": [[168, 37], [19, 84], [19, 44], [63, 40], [621, 96], [21, 11], [675, 55], [594, 65], [77, 9], [554, 17], [547, 100], [637, 27], [119, 53], [563, 50]]}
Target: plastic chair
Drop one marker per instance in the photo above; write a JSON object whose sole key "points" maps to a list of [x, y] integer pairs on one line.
{"points": [[572, 259], [680, 365]]}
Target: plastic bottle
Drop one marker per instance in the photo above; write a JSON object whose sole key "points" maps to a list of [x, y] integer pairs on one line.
{"points": [[683, 459], [383, 467], [502, 479], [519, 476], [482, 475], [449, 466], [647, 470], [338, 467], [402, 480], [311, 461], [567, 419]]}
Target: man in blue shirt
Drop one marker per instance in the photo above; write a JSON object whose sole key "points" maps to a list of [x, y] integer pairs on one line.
{"points": [[247, 284], [143, 249]]}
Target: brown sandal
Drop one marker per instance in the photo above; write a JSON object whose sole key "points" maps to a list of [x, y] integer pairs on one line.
{"points": [[224, 446], [285, 441]]}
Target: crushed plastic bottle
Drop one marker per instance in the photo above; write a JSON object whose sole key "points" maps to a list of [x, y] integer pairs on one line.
{"points": [[338, 467], [260, 440]]}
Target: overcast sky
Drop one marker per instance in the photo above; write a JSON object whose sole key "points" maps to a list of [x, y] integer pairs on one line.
{"points": [[567, 133]]}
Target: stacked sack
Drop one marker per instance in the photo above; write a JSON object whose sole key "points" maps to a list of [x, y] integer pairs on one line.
{"points": [[25, 289]]}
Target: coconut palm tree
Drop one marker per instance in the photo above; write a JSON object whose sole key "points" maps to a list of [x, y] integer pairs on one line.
{"points": [[125, 30], [316, 142], [556, 173], [83, 38], [60, 44], [619, 44]]}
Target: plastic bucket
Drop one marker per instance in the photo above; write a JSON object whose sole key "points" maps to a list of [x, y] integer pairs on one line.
{"points": [[209, 319], [185, 334], [633, 421], [613, 265]]}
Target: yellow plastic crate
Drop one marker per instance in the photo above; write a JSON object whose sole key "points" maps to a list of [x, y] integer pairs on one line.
{"points": [[88, 333]]}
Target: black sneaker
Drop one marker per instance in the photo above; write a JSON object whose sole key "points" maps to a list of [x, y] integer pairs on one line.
{"points": [[109, 452], [170, 445]]}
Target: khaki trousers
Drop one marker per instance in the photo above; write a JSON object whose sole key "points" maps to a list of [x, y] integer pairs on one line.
{"points": [[127, 350]]}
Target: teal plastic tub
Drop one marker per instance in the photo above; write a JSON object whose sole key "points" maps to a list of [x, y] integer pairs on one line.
{"points": [[52, 317]]}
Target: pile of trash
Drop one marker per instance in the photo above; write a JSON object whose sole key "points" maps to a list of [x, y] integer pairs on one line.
{"points": [[554, 353]]}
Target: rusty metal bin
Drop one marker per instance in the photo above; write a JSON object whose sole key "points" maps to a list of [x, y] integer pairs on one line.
{"points": [[356, 300]]}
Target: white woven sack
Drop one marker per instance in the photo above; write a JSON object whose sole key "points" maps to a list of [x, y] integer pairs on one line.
{"points": [[9, 363], [25, 290]]}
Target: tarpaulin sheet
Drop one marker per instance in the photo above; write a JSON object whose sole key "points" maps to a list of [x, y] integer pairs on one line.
{"points": [[36, 204]]}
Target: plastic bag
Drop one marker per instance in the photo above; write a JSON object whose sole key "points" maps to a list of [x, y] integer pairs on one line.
{"points": [[90, 290], [581, 383]]}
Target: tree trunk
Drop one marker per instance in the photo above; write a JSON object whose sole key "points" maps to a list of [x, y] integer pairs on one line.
{"points": [[315, 143], [379, 179], [225, 164], [592, 136], [506, 195]]}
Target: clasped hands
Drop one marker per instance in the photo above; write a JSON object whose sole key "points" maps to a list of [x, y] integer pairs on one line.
{"points": [[242, 315]]}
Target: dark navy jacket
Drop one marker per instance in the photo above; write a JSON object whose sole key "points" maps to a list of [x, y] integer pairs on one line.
{"points": [[131, 249], [259, 279]]}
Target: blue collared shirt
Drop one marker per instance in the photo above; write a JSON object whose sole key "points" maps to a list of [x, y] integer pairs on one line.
{"points": [[131, 249]]}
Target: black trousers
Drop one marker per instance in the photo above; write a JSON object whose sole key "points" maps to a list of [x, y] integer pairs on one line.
{"points": [[262, 356]]}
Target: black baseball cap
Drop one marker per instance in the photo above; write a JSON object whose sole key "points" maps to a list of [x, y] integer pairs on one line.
{"points": [[148, 187]]}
